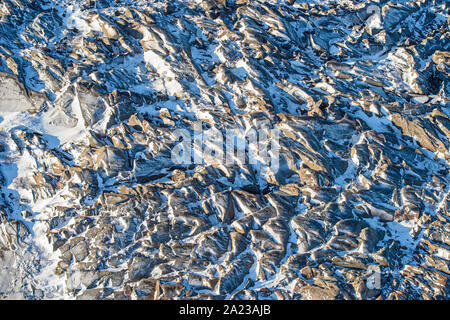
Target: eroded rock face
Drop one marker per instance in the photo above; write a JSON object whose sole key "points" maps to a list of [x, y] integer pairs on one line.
{"points": [[91, 93]]}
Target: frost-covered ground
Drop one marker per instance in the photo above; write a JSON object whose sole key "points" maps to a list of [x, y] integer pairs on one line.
{"points": [[93, 206]]}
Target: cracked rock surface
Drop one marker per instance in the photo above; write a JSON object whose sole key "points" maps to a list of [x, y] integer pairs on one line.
{"points": [[92, 205]]}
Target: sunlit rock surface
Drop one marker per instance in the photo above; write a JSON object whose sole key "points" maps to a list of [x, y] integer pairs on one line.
{"points": [[93, 207]]}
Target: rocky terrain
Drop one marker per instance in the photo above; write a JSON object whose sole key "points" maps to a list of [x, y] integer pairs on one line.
{"points": [[93, 207]]}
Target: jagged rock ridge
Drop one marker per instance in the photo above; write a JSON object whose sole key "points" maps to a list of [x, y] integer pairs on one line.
{"points": [[92, 206]]}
